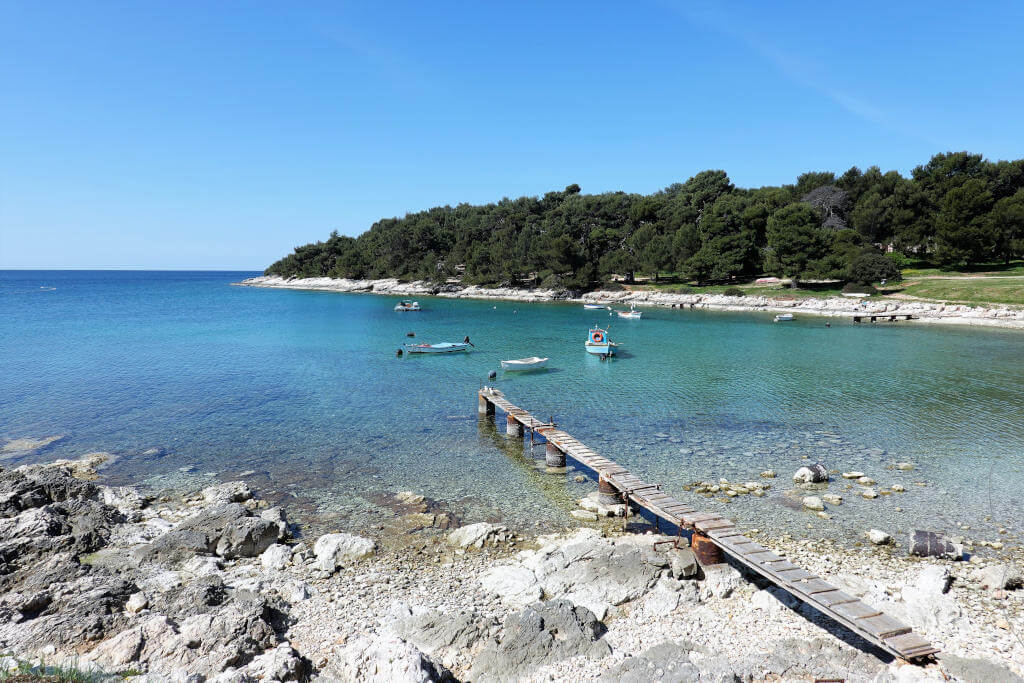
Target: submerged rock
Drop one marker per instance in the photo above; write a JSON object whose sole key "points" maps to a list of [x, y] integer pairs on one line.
{"points": [[813, 503], [479, 534]]}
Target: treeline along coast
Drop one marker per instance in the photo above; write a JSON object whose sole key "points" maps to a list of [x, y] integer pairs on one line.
{"points": [[957, 210]]}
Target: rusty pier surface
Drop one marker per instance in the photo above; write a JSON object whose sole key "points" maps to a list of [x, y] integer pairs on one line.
{"points": [[709, 528]]}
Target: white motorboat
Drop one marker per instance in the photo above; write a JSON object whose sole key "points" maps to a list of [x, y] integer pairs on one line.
{"points": [[594, 307], [444, 347], [631, 314], [407, 305], [784, 318], [532, 363]]}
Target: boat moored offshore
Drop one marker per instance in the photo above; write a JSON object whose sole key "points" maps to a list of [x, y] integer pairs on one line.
{"points": [[444, 347], [598, 343], [532, 363], [407, 305]]}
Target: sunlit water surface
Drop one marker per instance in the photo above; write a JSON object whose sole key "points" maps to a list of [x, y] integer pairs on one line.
{"points": [[305, 389]]}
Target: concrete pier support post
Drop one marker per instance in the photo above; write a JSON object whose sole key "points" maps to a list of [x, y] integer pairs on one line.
{"points": [[484, 407], [705, 550], [513, 427], [553, 456], [607, 494]]}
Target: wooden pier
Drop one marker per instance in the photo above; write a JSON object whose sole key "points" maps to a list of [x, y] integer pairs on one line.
{"points": [[714, 534], [883, 317]]}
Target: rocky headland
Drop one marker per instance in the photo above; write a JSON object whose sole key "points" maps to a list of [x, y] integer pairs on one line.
{"points": [[957, 314], [216, 585]]}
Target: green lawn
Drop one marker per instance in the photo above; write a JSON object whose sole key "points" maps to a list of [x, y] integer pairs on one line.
{"points": [[981, 291], [920, 269]]}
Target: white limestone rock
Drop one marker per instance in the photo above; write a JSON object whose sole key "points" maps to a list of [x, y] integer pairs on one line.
{"points": [[878, 537], [336, 550], [276, 557]]}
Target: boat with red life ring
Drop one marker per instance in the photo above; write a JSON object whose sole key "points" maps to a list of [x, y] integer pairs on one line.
{"points": [[598, 343]]}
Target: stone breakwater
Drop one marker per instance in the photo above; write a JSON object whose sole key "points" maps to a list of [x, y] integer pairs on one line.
{"points": [[836, 306], [218, 586]]}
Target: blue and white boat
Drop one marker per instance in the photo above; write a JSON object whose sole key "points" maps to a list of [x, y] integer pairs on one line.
{"points": [[598, 343]]}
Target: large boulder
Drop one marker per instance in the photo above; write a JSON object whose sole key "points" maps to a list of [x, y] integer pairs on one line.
{"points": [[517, 586], [337, 550], [811, 474], [433, 630], [382, 659], [247, 537], [541, 634]]}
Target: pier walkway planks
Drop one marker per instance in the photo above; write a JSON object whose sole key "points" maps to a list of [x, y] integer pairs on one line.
{"points": [[864, 620]]}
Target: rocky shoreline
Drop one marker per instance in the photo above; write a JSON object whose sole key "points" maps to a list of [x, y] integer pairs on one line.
{"points": [[954, 314], [217, 585]]}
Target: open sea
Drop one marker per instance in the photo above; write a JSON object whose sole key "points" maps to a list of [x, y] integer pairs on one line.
{"points": [[188, 380]]}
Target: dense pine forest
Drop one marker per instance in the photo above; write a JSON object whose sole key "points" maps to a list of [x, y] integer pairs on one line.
{"points": [[957, 210]]}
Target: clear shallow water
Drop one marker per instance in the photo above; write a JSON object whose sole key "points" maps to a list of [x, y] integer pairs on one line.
{"points": [[305, 389]]}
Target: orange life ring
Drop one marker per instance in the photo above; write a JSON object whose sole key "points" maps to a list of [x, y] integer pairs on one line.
{"points": [[597, 337]]}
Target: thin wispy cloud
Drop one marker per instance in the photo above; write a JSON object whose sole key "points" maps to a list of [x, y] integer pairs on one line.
{"points": [[730, 22]]}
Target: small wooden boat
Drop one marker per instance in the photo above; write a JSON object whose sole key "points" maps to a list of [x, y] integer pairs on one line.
{"points": [[407, 305], [594, 307], [631, 314], [598, 343], [444, 347], [784, 318], [532, 363]]}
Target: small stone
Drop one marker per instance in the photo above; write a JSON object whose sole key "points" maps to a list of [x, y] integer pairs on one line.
{"points": [[905, 466], [823, 515], [869, 493], [584, 515], [879, 537], [1003, 624], [865, 481], [898, 488], [813, 503], [579, 479], [768, 474], [136, 603], [852, 475], [832, 499]]}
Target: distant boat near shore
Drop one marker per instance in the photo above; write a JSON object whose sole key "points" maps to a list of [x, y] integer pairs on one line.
{"points": [[407, 305], [784, 318], [444, 347], [594, 307], [631, 314]]}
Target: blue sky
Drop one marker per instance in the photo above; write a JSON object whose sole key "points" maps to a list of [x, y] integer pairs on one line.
{"points": [[220, 135]]}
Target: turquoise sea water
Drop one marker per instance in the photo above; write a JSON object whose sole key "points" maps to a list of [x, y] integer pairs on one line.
{"points": [[304, 388]]}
